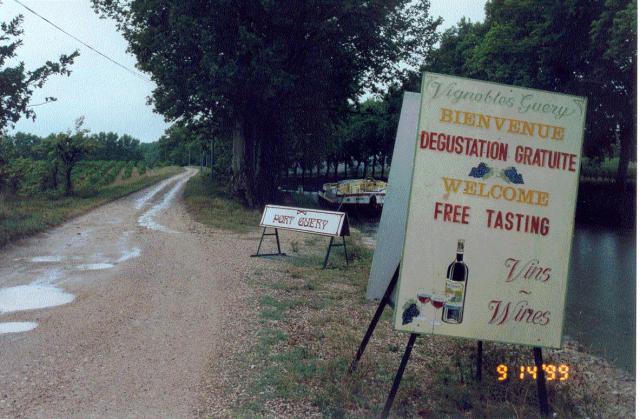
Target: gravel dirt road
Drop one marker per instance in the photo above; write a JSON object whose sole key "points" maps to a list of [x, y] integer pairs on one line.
{"points": [[129, 310]]}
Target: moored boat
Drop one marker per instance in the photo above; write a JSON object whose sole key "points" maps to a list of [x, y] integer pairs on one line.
{"points": [[360, 192]]}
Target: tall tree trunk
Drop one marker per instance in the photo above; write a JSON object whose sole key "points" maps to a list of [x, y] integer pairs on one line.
{"points": [[54, 176], [326, 169], [242, 162], [211, 156], [373, 166], [68, 184], [267, 170], [625, 202], [626, 144], [366, 167], [335, 168]]}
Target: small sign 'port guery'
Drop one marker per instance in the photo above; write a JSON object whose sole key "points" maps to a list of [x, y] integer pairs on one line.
{"points": [[304, 220]]}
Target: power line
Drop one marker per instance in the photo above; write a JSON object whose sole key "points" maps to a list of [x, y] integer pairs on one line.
{"points": [[135, 73]]}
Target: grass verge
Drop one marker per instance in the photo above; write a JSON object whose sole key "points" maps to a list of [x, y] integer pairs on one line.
{"points": [[311, 322], [307, 323], [209, 203], [23, 216]]}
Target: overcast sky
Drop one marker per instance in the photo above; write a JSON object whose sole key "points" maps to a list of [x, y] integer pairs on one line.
{"points": [[110, 98]]}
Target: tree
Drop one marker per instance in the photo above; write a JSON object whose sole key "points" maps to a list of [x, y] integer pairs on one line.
{"points": [[26, 145], [614, 49], [269, 74], [69, 149], [17, 84], [7, 153], [570, 46]]}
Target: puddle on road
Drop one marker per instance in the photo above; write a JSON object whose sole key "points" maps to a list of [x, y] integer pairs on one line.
{"points": [[94, 266], [17, 327], [48, 277], [31, 297], [147, 219], [129, 254], [45, 259], [149, 195], [43, 294]]}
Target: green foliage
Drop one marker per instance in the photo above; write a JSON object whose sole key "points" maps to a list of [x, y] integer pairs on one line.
{"points": [[23, 215], [211, 203], [110, 146], [128, 170], [368, 132], [575, 47], [180, 145], [30, 164], [270, 76], [69, 149], [17, 84], [142, 168]]}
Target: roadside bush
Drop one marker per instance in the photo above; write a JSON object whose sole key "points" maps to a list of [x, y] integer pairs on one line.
{"points": [[16, 174], [128, 170]]}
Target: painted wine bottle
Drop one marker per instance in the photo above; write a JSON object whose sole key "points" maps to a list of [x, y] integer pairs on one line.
{"points": [[455, 288]]}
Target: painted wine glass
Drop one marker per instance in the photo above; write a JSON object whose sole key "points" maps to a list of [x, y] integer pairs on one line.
{"points": [[424, 297], [437, 301]]}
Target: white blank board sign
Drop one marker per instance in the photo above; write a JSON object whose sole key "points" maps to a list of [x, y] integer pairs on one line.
{"points": [[390, 235]]}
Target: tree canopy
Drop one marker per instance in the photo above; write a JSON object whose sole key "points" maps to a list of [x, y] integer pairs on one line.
{"points": [[17, 84], [586, 48], [266, 74]]}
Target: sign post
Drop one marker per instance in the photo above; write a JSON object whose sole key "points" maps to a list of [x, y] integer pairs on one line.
{"points": [[264, 233], [490, 216]]}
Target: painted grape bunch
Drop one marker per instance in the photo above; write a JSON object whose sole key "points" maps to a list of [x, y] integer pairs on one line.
{"points": [[509, 175], [512, 176], [482, 171], [409, 313]]}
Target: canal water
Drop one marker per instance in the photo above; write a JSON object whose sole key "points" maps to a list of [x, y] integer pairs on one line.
{"points": [[600, 312], [601, 296]]}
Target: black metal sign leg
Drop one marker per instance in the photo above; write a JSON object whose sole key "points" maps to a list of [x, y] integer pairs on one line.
{"points": [[264, 233], [479, 362], [278, 241], [399, 374], [374, 321], [326, 258], [344, 243], [260, 244], [541, 380]]}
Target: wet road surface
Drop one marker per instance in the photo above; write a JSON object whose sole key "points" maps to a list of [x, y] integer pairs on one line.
{"points": [[117, 312]]}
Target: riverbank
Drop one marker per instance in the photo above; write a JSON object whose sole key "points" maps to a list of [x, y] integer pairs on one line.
{"points": [[302, 325], [22, 216]]}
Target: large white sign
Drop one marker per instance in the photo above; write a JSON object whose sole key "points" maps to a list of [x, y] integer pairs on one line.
{"points": [[326, 223], [390, 236], [491, 210]]}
